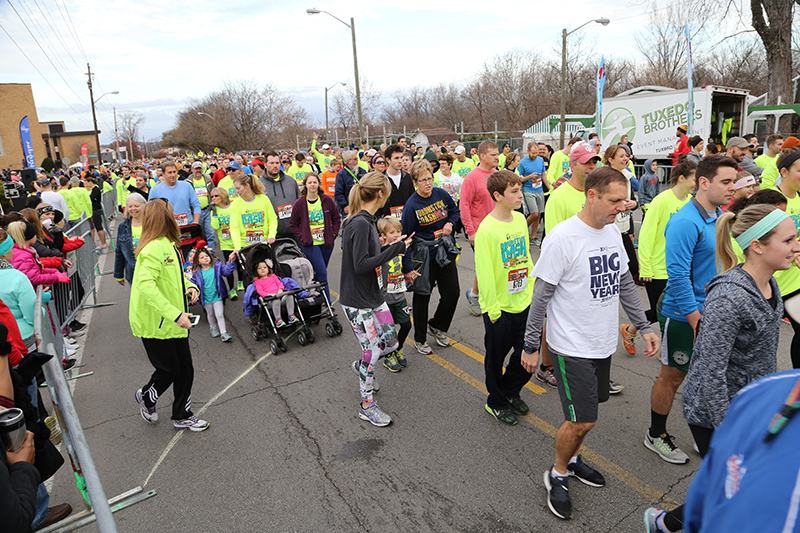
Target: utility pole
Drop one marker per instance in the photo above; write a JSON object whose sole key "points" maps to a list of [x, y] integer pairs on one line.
{"points": [[94, 115], [116, 136]]}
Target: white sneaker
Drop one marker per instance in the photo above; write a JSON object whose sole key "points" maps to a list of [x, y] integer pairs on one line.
{"points": [[192, 424], [665, 448], [71, 350], [373, 414], [68, 340]]}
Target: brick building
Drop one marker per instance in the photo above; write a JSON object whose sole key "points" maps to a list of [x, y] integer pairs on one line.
{"points": [[49, 138]]}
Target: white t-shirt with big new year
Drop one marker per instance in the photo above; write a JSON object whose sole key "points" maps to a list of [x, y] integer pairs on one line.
{"points": [[585, 264]]}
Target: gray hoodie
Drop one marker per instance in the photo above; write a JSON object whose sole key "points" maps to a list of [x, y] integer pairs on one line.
{"points": [[281, 192], [737, 343]]}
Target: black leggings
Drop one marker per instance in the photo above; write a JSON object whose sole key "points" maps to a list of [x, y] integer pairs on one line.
{"points": [[654, 290], [795, 349], [702, 437], [633, 259]]}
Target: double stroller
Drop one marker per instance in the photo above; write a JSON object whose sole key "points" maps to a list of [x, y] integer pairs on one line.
{"points": [[311, 303]]}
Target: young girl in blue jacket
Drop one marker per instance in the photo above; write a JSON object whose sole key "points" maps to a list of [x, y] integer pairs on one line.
{"points": [[208, 273]]}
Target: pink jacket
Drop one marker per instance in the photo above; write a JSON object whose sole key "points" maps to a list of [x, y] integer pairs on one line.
{"points": [[268, 286], [27, 261]]}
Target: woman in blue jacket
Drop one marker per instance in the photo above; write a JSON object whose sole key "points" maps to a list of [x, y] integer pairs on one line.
{"points": [[128, 234]]}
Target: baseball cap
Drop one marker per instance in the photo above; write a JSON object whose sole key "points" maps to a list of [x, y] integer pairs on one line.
{"points": [[326, 146], [791, 142], [256, 162], [234, 164], [460, 149], [738, 142], [45, 182], [582, 153], [371, 152], [197, 164]]}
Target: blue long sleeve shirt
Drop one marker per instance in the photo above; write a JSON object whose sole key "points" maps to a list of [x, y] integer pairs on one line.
{"points": [[691, 262], [182, 196]]}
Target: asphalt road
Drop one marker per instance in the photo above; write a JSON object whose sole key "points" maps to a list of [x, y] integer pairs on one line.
{"points": [[287, 452]]}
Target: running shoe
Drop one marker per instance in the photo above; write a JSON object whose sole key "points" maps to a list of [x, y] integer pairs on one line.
{"points": [[628, 339], [148, 413], [474, 303], [614, 387], [76, 326], [192, 424], [69, 340], [71, 349], [502, 415], [422, 347], [546, 376], [233, 294], [518, 406], [373, 414], [240, 286], [585, 473], [558, 494], [293, 319], [401, 359], [66, 363], [226, 337], [355, 366], [280, 323], [536, 242], [390, 362], [55, 432], [214, 332], [76, 333], [440, 336], [651, 517], [664, 446]]}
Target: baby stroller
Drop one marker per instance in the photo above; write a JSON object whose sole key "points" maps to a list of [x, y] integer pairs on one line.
{"points": [[288, 253], [260, 307], [191, 235]]}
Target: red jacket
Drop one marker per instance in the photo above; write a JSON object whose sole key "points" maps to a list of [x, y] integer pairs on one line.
{"points": [[18, 348]]}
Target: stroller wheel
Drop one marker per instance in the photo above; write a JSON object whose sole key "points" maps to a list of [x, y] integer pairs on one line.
{"points": [[282, 345], [256, 334], [337, 328], [273, 347], [329, 330], [310, 336], [301, 338]]}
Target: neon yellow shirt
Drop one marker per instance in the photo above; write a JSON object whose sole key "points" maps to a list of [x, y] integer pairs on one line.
{"points": [[789, 280], [563, 203], [299, 173], [462, 168], [323, 160], [82, 202], [252, 222], [222, 223], [502, 162], [316, 222], [652, 243], [201, 190], [72, 206], [227, 184], [770, 175], [122, 190], [364, 165], [136, 234], [476, 159], [559, 165], [764, 159], [503, 265]]}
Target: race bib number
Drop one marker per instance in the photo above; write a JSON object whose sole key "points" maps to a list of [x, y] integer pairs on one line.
{"points": [[254, 237], [285, 211], [226, 234], [517, 280], [396, 283], [318, 234], [332, 188], [182, 219], [438, 234], [397, 212], [380, 277], [201, 191]]}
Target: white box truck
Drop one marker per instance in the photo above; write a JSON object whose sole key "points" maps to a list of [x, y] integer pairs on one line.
{"points": [[650, 116]]}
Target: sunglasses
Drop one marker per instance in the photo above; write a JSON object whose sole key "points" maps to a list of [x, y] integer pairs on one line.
{"points": [[380, 162], [285, 162], [215, 196]]}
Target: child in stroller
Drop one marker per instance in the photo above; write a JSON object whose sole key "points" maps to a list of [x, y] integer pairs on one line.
{"points": [[268, 284]]}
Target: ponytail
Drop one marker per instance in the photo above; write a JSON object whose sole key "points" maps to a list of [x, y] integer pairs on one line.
{"points": [[732, 225], [250, 179], [725, 254], [366, 190]]}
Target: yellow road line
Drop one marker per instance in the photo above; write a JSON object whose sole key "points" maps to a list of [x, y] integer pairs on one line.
{"points": [[536, 389], [604, 464]]}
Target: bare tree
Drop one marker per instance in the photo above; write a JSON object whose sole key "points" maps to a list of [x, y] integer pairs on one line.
{"points": [[345, 111], [130, 123]]}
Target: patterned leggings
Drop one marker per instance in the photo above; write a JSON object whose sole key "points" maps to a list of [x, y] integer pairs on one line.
{"points": [[375, 331]]}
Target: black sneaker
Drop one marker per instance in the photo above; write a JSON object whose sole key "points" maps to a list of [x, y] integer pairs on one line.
{"points": [[558, 495], [67, 363], [586, 474], [518, 406], [76, 326], [502, 415]]}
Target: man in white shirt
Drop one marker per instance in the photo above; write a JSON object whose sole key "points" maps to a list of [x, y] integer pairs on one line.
{"points": [[49, 196], [583, 272]]}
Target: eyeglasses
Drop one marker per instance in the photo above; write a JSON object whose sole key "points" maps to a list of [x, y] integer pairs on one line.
{"points": [[285, 162], [380, 162], [426, 180]]}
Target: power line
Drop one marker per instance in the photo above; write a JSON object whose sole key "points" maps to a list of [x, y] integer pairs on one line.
{"points": [[40, 73], [42, 49], [74, 31], [56, 32]]}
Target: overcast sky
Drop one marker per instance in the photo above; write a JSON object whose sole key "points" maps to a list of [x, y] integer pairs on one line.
{"points": [[161, 54]]}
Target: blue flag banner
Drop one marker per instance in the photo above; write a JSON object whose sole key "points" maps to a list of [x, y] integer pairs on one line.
{"points": [[27, 142], [601, 83], [690, 107]]}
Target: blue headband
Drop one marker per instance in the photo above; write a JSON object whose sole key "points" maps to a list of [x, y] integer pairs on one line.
{"points": [[761, 228], [6, 245]]}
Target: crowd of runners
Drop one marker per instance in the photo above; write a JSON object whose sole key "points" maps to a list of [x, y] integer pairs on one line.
{"points": [[556, 248]]}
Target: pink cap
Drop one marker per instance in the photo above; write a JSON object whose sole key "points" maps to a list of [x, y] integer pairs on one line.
{"points": [[582, 153]]}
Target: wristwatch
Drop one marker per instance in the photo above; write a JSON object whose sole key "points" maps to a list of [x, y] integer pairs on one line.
{"points": [[529, 348]]}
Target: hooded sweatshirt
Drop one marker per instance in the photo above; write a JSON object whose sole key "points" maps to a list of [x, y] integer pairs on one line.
{"points": [[283, 193], [737, 343], [649, 184]]}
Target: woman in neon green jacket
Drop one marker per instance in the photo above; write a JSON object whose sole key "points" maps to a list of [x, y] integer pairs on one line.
{"points": [[159, 316]]}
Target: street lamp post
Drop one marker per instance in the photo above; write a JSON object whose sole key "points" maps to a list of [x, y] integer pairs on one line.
{"points": [[328, 131], [94, 115], [564, 35], [352, 27]]}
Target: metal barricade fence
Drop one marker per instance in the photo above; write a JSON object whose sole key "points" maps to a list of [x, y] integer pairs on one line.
{"points": [[98, 508], [70, 297]]}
